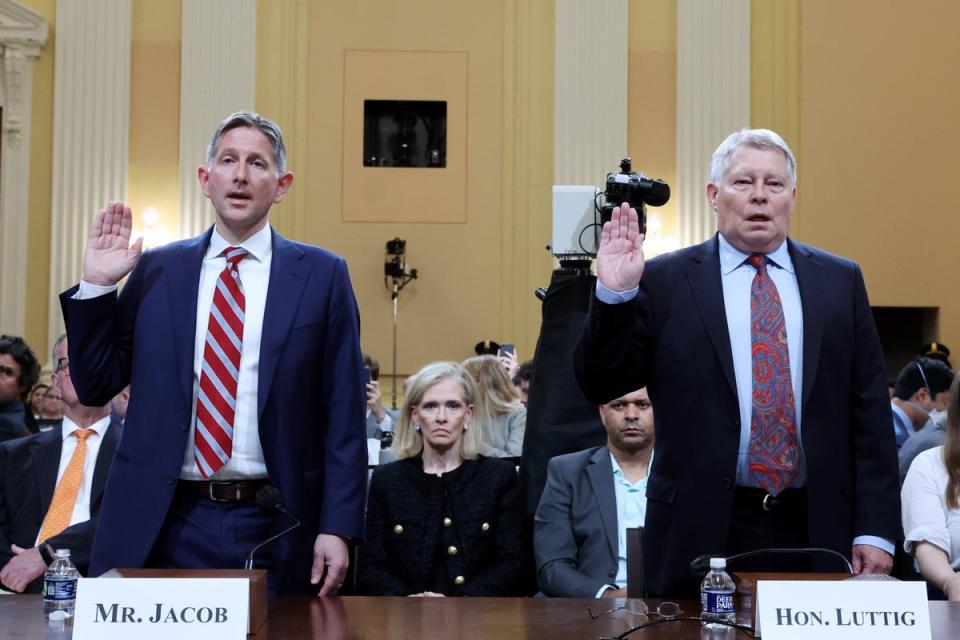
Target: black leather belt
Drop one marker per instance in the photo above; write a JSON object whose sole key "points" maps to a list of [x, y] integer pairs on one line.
{"points": [[224, 490], [787, 498]]}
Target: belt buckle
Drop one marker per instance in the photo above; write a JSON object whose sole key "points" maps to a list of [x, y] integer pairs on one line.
{"points": [[769, 502], [210, 493]]}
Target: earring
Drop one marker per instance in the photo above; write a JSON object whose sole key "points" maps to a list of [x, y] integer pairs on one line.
{"points": [[466, 425], [417, 424]]}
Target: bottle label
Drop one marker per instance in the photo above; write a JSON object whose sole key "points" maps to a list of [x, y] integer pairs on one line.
{"points": [[717, 602], [59, 588]]}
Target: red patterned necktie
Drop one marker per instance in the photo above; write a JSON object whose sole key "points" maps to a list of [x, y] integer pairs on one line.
{"points": [[773, 455], [217, 395]]}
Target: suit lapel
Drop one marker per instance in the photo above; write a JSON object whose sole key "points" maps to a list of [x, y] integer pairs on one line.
{"points": [[184, 282], [45, 461], [288, 277], [704, 276], [810, 283], [600, 472]]}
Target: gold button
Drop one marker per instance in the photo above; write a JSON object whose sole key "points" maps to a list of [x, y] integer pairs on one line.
{"points": [[447, 522], [458, 580], [398, 529], [485, 526], [451, 550]]}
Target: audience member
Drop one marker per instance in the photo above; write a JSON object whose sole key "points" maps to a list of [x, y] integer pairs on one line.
{"points": [[521, 380], [929, 437], [931, 506], [591, 498], [118, 406], [442, 520], [922, 386], [380, 420], [499, 414], [51, 485], [51, 411], [19, 371], [36, 398]]}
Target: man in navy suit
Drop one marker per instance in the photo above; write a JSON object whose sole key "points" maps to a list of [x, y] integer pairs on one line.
{"points": [[682, 326], [31, 469], [204, 431]]}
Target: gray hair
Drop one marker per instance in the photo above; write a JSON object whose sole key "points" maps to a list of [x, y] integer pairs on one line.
{"points": [[254, 120], [56, 347], [750, 138]]}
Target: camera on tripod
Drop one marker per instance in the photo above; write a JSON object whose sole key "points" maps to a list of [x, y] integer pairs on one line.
{"points": [[579, 216]]}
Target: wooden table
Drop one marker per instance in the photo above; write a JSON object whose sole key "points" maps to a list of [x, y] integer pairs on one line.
{"points": [[354, 617]]}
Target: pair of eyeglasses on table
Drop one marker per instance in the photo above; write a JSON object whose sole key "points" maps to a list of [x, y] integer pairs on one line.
{"points": [[664, 613]]}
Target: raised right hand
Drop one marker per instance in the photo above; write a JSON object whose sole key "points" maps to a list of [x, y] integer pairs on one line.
{"points": [[620, 257], [109, 256]]}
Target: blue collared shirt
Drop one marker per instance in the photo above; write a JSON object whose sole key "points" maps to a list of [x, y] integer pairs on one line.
{"points": [[631, 512]]}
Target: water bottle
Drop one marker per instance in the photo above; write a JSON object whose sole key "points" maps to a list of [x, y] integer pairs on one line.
{"points": [[60, 585], [717, 596]]}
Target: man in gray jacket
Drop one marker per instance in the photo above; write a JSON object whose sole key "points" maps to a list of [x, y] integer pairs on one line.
{"points": [[591, 498]]}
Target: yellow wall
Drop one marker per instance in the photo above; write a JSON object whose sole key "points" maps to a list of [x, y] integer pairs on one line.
{"points": [[862, 90]]}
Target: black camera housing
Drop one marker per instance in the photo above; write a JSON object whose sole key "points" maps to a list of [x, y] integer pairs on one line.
{"points": [[635, 189]]}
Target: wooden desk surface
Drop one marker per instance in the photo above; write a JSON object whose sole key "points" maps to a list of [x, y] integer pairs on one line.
{"points": [[354, 617]]}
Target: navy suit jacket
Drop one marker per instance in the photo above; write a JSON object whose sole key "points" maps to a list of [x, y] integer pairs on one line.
{"points": [[28, 477], [310, 396], [575, 535], [673, 339]]}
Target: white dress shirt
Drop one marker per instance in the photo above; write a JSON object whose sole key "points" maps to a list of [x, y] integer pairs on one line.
{"points": [[247, 460], [926, 517], [81, 508]]}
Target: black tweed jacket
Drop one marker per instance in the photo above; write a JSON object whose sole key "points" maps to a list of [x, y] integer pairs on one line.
{"points": [[460, 532]]}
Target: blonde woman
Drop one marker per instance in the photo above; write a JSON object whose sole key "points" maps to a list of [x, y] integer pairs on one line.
{"points": [[931, 506], [442, 520], [499, 412]]}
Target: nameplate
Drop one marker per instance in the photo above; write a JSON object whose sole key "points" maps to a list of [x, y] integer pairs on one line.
{"points": [[845, 610], [161, 608]]}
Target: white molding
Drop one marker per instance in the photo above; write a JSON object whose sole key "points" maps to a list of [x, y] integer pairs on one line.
{"points": [[713, 99], [91, 127], [23, 34], [217, 74], [590, 113]]}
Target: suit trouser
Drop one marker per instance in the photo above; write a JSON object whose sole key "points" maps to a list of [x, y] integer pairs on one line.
{"points": [[776, 524], [202, 534]]}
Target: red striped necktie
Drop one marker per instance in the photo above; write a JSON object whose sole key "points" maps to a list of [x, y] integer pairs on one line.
{"points": [[773, 454], [217, 395]]}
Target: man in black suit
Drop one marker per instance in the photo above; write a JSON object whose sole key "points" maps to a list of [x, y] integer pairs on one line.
{"points": [[772, 430], [31, 472]]}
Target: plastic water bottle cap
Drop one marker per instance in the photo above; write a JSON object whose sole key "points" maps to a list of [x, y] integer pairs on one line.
{"points": [[58, 615], [718, 563], [63, 553]]}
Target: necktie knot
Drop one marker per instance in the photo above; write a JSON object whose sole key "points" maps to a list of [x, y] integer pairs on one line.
{"points": [[758, 261], [82, 434], [234, 255]]}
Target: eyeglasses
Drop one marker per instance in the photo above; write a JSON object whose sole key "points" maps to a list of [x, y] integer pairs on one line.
{"points": [[63, 364], [452, 408], [666, 612]]}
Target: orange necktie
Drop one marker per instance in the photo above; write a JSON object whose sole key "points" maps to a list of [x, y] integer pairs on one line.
{"points": [[65, 495]]}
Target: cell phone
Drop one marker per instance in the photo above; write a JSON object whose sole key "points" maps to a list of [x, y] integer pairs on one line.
{"points": [[367, 379], [507, 348]]}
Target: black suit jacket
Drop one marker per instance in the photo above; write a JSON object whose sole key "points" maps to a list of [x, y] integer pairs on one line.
{"points": [[406, 533], [673, 339], [28, 477]]}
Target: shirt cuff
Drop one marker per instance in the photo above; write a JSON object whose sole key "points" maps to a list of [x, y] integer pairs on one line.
{"points": [[387, 424], [876, 541], [606, 587], [609, 296], [88, 290]]}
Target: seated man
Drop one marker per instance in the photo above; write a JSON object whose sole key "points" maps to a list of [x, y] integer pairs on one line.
{"points": [[921, 388], [591, 498], [51, 485]]}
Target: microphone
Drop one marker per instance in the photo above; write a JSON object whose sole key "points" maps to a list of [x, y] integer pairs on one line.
{"points": [[269, 500], [701, 564]]}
